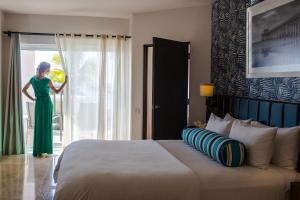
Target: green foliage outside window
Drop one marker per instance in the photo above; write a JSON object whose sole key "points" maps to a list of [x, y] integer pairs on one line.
{"points": [[56, 59], [56, 74]]}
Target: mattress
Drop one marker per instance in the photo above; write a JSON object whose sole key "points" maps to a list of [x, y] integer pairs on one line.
{"points": [[160, 170]]}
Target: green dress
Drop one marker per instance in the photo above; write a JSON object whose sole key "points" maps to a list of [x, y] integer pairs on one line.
{"points": [[42, 141]]}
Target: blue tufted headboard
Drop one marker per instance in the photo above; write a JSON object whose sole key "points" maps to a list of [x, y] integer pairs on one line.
{"points": [[271, 113]]}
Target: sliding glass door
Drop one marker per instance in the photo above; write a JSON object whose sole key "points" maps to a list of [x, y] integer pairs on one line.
{"points": [[95, 104], [30, 58]]}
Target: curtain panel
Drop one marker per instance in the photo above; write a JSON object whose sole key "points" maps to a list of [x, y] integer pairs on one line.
{"points": [[13, 134], [97, 98]]}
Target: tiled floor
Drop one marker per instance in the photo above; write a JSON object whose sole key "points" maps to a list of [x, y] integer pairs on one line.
{"points": [[24, 177]]}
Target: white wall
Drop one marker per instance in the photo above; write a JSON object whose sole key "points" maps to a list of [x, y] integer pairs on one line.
{"points": [[187, 24], [67, 24]]}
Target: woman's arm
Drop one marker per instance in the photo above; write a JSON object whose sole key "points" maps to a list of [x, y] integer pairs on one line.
{"points": [[24, 90], [60, 88]]}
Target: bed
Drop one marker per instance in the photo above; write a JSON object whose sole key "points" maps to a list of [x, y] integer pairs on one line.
{"points": [[160, 170], [163, 170]]}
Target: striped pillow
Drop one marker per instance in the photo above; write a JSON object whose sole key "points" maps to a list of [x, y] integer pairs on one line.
{"points": [[229, 152]]}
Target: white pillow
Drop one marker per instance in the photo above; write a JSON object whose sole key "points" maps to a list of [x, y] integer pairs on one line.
{"points": [[259, 142], [286, 148], [259, 125], [218, 125], [229, 117]]}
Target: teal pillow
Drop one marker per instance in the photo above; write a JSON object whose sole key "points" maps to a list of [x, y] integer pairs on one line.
{"points": [[228, 152]]}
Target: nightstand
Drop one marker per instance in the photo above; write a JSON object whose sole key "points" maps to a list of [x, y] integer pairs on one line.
{"points": [[295, 191]]}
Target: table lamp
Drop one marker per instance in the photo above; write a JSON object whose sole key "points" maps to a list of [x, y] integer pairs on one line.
{"points": [[207, 90]]}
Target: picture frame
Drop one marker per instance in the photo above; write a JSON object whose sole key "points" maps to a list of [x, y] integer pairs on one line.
{"points": [[273, 39]]}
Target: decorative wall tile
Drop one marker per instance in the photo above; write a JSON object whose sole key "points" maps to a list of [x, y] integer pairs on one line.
{"points": [[229, 57]]}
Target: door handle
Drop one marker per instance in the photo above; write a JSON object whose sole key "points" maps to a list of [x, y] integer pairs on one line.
{"points": [[156, 107]]}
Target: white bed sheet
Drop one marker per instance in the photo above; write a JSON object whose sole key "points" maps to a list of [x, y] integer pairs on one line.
{"points": [[219, 182], [162, 170], [122, 170]]}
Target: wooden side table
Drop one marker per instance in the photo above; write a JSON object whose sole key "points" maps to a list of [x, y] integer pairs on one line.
{"points": [[295, 191]]}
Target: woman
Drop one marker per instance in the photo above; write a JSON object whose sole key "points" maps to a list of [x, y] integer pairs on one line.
{"points": [[42, 142]]}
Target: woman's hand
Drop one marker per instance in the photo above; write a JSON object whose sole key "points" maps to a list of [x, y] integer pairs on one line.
{"points": [[61, 87]]}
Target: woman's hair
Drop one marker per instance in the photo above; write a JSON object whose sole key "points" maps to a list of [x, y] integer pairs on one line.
{"points": [[42, 67]]}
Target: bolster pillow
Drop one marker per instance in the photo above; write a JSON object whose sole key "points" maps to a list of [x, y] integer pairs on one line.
{"points": [[228, 152]]}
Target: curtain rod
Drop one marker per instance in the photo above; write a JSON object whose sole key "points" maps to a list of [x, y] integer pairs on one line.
{"points": [[68, 34]]}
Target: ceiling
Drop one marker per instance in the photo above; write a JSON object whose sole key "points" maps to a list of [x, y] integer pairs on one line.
{"points": [[97, 8]]}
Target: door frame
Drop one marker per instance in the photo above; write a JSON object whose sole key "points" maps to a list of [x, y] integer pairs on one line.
{"points": [[145, 86]]}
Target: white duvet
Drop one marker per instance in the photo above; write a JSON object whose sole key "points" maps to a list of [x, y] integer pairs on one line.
{"points": [[163, 170], [122, 170], [226, 183]]}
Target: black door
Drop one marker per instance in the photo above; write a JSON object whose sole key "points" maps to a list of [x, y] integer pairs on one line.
{"points": [[170, 88]]}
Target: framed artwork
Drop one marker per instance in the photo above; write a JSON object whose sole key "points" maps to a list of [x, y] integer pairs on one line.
{"points": [[273, 39]]}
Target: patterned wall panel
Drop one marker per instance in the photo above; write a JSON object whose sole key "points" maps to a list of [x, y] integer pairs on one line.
{"points": [[229, 57]]}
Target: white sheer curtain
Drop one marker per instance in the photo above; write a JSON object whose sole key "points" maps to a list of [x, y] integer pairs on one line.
{"points": [[97, 97]]}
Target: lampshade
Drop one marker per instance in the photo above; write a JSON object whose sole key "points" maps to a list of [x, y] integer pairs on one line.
{"points": [[206, 90]]}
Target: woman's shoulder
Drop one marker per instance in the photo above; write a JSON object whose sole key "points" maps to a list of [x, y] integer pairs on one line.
{"points": [[44, 79], [32, 79], [47, 80]]}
